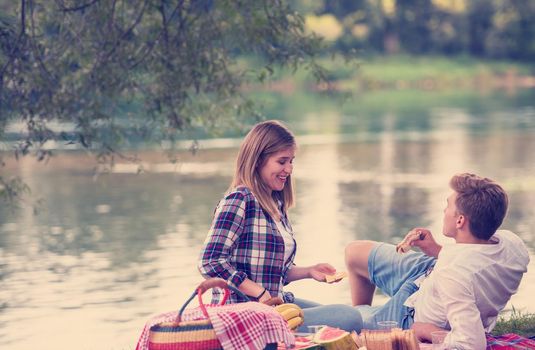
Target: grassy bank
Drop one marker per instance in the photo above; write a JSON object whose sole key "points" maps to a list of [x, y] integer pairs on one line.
{"points": [[515, 322], [411, 72], [408, 68]]}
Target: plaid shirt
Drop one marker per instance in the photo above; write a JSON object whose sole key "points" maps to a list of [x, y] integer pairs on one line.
{"points": [[244, 242]]}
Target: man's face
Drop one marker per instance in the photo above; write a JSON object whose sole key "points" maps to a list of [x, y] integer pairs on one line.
{"points": [[449, 228]]}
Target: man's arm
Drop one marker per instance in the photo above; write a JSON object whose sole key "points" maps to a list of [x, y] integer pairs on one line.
{"points": [[458, 298], [423, 330], [426, 243]]}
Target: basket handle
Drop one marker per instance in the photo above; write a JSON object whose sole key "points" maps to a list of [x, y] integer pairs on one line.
{"points": [[209, 284]]}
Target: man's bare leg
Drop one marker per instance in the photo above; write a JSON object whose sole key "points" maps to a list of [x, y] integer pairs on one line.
{"points": [[356, 256]]}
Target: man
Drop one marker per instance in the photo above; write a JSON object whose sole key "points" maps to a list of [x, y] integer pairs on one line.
{"points": [[460, 287]]}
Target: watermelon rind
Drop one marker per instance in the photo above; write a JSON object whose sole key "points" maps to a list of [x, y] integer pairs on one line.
{"points": [[334, 339]]}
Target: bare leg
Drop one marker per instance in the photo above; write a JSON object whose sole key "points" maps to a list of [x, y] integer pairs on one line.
{"points": [[356, 256]]}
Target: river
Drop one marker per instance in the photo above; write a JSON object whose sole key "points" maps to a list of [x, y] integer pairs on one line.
{"points": [[107, 251]]}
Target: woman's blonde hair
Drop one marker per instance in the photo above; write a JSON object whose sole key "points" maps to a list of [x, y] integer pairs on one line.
{"points": [[264, 139]]}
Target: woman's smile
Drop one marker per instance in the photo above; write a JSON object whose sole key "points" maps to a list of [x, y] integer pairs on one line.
{"points": [[277, 168]]}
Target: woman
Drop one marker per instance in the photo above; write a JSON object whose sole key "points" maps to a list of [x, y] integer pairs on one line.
{"points": [[250, 243]]}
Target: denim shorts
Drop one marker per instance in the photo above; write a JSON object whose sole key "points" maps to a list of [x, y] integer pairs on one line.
{"points": [[394, 274]]}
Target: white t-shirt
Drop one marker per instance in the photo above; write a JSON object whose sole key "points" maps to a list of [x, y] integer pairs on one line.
{"points": [[470, 284], [289, 242]]}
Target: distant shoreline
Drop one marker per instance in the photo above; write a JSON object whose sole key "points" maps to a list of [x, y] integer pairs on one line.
{"points": [[426, 73]]}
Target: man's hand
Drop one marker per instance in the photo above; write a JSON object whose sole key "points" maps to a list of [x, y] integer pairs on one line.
{"points": [[426, 242], [407, 242], [422, 331]]}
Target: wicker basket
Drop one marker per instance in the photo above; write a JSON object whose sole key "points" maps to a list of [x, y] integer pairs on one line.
{"points": [[192, 335]]}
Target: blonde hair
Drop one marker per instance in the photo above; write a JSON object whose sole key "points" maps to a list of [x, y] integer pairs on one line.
{"points": [[262, 141]]}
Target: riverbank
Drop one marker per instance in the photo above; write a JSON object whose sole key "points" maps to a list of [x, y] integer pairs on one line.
{"points": [[515, 322], [442, 73], [402, 72]]}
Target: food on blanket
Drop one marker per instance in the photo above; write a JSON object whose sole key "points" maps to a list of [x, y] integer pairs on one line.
{"points": [[397, 339], [404, 339], [287, 306], [292, 314], [334, 339], [337, 276], [302, 343], [295, 322], [357, 340], [308, 345], [405, 245]]}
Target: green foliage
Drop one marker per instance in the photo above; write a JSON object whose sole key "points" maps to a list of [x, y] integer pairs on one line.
{"points": [[102, 74], [140, 68], [11, 189], [412, 68], [516, 322], [482, 28]]}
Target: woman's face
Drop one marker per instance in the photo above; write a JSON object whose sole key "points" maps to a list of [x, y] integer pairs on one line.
{"points": [[276, 169]]}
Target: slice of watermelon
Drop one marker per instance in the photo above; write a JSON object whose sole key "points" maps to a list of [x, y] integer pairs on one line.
{"points": [[334, 339], [328, 334], [307, 346]]}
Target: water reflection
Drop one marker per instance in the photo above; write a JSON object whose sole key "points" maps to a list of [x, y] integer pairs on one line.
{"points": [[107, 252]]}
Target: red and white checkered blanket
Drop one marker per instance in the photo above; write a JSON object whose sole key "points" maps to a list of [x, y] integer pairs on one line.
{"points": [[239, 326], [509, 341]]}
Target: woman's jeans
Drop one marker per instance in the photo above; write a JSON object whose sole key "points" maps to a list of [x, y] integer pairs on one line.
{"points": [[341, 316]]}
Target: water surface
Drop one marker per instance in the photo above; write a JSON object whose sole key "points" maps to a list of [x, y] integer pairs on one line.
{"points": [[106, 252]]}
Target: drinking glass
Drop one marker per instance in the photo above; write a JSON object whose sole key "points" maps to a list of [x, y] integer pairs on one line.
{"points": [[387, 325], [315, 328]]}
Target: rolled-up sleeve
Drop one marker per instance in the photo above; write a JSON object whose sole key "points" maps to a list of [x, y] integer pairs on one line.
{"points": [[227, 226], [285, 279]]}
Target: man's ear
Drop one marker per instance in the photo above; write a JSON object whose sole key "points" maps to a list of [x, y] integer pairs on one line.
{"points": [[461, 221]]}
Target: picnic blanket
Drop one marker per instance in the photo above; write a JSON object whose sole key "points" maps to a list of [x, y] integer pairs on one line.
{"points": [[509, 341], [237, 326]]}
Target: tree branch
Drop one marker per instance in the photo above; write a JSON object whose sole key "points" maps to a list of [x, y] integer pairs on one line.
{"points": [[78, 8], [19, 39], [36, 49], [127, 31], [150, 46]]}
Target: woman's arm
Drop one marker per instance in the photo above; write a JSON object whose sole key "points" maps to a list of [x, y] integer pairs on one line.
{"points": [[226, 228], [316, 272], [254, 290]]}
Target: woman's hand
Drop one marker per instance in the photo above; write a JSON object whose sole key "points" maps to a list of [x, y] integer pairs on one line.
{"points": [[265, 297], [319, 271]]}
